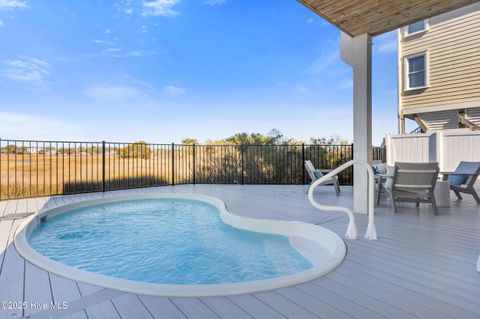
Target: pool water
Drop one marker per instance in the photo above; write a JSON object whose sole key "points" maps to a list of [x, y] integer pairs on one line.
{"points": [[165, 241]]}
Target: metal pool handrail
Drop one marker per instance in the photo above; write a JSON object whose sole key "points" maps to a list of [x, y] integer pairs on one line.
{"points": [[352, 228]]}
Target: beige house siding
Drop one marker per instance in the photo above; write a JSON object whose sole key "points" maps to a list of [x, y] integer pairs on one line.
{"points": [[452, 43]]}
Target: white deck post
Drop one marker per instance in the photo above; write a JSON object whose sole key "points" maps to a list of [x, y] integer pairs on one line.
{"points": [[357, 52]]}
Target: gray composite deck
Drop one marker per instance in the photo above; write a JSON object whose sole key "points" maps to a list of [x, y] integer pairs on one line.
{"points": [[422, 266]]}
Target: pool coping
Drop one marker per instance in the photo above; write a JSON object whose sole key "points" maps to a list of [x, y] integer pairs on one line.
{"points": [[303, 237]]}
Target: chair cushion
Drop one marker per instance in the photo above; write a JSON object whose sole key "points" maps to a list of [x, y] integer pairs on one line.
{"points": [[379, 168], [318, 173], [457, 180]]}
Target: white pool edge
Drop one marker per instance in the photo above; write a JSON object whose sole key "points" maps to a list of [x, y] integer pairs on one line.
{"points": [[303, 236]]}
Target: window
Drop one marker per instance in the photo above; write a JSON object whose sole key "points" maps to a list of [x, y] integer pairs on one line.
{"points": [[416, 71], [416, 27]]}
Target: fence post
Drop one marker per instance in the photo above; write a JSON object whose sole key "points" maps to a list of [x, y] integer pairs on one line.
{"points": [[103, 166], [173, 164], [303, 163], [194, 167], [243, 165]]}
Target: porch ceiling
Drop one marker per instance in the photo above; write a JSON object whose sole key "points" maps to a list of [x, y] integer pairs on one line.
{"points": [[356, 17]]}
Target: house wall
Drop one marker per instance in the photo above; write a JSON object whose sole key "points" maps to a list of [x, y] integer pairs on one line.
{"points": [[452, 43]]}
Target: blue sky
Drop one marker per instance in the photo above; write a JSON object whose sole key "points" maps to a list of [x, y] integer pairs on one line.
{"points": [[162, 70]]}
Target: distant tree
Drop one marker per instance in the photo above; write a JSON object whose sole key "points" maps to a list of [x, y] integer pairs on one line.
{"points": [[48, 150], [238, 138], [328, 156], [319, 141], [276, 137], [189, 140], [249, 139], [93, 150], [66, 151], [328, 141], [13, 149], [215, 142], [138, 149]]}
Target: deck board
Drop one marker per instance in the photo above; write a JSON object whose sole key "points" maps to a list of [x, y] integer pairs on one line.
{"points": [[386, 308], [422, 266], [11, 208], [410, 290], [194, 308], [12, 283], [285, 306], [312, 304], [101, 307], [3, 206], [225, 308], [129, 306], [339, 301], [5, 229], [37, 288], [409, 300], [162, 307], [65, 290], [255, 307]]}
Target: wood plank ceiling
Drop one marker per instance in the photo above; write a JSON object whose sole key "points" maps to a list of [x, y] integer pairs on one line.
{"points": [[356, 17]]}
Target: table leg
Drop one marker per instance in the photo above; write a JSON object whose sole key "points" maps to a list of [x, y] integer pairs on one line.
{"points": [[379, 189]]}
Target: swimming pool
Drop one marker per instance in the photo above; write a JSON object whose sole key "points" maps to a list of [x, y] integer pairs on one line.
{"points": [[176, 245]]}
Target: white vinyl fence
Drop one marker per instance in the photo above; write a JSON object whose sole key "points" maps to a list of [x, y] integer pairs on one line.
{"points": [[447, 147]]}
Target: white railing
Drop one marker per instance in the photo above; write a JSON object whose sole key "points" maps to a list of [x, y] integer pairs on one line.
{"points": [[352, 228]]}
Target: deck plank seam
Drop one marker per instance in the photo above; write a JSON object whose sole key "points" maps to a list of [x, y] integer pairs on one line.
{"points": [[178, 308], [141, 301], [252, 295], [300, 306], [434, 282], [370, 296], [411, 282], [323, 301], [211, 309], [305, 290], [398, 296], [116, 309]]}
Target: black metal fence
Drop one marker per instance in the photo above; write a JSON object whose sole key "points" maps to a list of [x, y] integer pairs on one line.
{"points": [[41, 168]]}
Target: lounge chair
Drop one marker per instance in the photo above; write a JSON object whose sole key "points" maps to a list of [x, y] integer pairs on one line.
{"points": [[463, 179], [316, 174], [414, 182]]}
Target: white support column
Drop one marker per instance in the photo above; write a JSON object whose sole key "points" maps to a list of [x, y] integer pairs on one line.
{"points": [[357, 52]]}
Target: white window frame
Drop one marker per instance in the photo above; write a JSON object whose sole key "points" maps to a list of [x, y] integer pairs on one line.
{"points": [[406, 79], [406, 34]]}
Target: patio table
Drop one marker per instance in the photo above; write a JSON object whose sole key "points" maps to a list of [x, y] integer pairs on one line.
{"points": [[442, 193]]}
